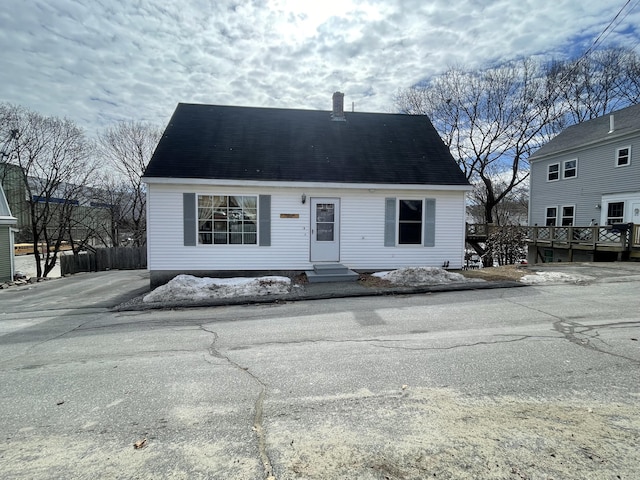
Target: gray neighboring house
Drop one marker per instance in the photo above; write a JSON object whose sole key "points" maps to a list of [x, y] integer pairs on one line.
{"points": [[587, 175], [7, 230]]}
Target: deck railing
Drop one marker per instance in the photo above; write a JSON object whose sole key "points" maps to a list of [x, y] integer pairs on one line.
{"points": [[620, 236], [584, 236]]}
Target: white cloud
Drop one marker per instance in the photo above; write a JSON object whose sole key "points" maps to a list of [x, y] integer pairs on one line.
{"points": [[98, 61]]}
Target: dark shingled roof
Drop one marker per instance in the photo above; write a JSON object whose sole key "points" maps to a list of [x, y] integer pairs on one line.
{"points": [[269, 144], [626, 121]]}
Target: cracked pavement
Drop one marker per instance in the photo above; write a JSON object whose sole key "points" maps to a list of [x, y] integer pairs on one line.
{"points": [[535, 382]]}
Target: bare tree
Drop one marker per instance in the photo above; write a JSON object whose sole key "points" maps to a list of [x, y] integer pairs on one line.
{"points": [[491, 120], [506, 246], [512, 209], [629, 88], [128, 147], [597, 84], [55, 162]]}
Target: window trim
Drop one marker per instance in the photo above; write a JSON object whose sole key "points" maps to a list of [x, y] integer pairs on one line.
{"points": [[562, 216], [556, 172], [547, 217], [618, 150], [422, 222], [564, 169], [608, 218], [199, 243]]}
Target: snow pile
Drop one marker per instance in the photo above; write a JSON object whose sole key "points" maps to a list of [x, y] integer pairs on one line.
{"points": [[423, 276], [188, 287], [555, 277]]}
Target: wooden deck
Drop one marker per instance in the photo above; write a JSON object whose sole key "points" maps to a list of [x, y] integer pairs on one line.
{"points": [[619, 238]]}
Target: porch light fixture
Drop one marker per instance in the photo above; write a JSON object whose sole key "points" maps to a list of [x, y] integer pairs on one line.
{"points": [[304, 198], [598, 205]]}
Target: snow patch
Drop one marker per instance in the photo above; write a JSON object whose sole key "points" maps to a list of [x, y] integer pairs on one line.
{"points": [[555, 277], [423, 276], [188, 287]]}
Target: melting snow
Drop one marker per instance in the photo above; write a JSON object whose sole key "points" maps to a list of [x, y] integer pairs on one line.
{"points": [[555, 277], [423, 276], [188, 287]]}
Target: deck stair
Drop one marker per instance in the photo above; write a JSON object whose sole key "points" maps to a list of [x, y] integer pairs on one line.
{"points": [[331, 272]]}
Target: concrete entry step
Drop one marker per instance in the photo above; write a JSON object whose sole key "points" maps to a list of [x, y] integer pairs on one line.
{"points": [[331, 272]]}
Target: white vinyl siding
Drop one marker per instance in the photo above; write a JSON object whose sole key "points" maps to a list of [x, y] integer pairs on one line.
{"points": [[362, 227]]}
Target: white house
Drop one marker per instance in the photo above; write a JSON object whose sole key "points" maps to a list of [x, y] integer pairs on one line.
{"points": [[239, 190]]}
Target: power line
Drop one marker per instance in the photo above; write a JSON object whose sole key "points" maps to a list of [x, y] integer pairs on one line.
{"points": [[610, 27]]}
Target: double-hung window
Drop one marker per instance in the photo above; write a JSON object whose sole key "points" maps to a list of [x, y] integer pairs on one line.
{"points": [[553, 172], [568, 215], [615, 212], [551, 216], [570, 168], [623, 156], [227, 219], [410, 222]]}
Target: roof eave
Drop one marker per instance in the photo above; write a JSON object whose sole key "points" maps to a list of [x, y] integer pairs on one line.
{"points": [[600, 141], [284, 184], [8, 221]]}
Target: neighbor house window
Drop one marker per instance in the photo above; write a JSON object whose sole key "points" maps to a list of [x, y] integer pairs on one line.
{"points": [[553, 172], [552, 215], [227, 219], [623, 157], [410, 222], [570, 168], [568, 215], [615, 213]]}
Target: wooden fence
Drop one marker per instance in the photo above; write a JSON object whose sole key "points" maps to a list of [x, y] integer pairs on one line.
{"points": [[115, 258]]}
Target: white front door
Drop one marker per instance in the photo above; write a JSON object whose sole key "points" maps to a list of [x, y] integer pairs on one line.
{"points": [[325, 229]]}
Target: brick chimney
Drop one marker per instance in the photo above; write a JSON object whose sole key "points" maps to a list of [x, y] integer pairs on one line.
{"points": [[337, 115]]}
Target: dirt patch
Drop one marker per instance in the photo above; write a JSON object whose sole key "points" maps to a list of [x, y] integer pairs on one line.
{"points": [[505, 273], [511, 273], [370, 281], [425, 433]]}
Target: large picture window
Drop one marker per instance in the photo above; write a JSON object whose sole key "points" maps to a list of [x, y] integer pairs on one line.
{"points": [[410, 222], [227, 219]]}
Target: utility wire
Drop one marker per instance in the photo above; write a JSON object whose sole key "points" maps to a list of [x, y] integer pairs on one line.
{"points": [[610, 27]]}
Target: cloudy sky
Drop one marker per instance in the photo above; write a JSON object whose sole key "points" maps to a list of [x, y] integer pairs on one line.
{"points": [[100, 61]]}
